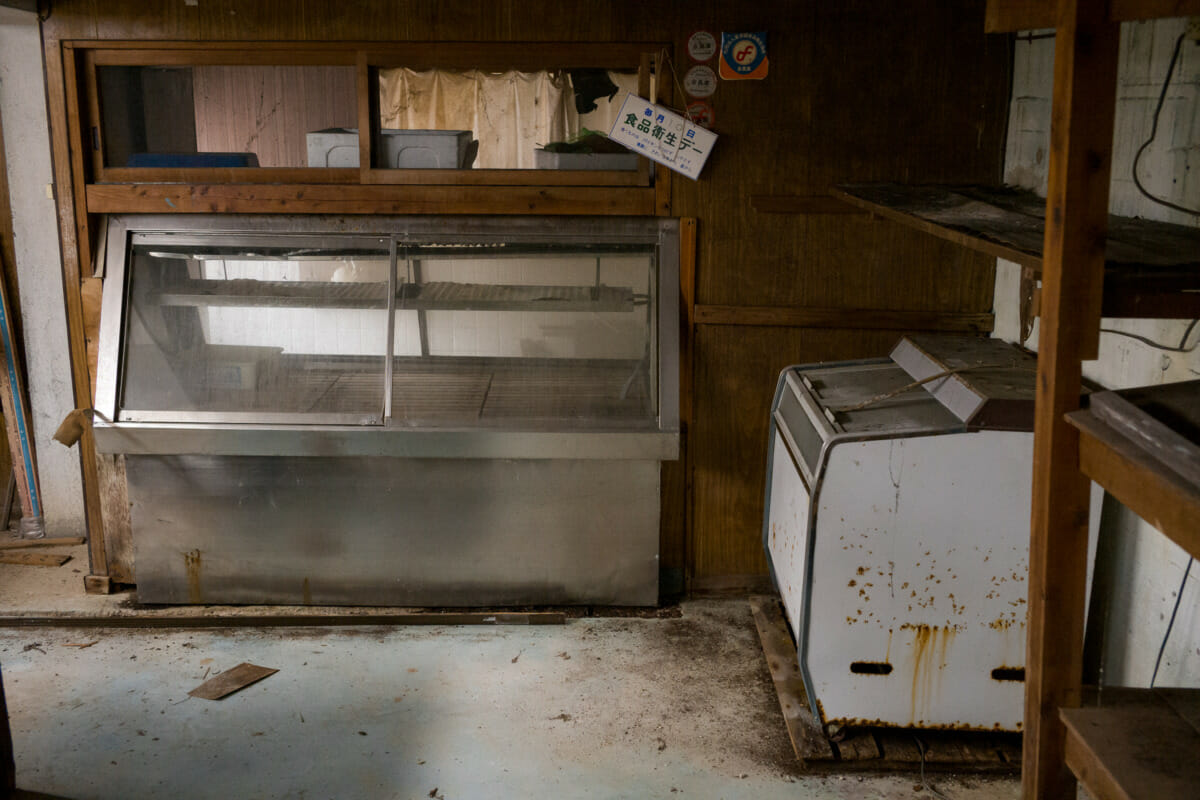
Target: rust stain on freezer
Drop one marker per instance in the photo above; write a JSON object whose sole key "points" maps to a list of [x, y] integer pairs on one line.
{"points": [[930, 651], [191, 564], [307, 590]]}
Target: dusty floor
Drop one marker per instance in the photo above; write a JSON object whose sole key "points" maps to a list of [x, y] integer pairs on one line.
{"points": [[598, 707]]}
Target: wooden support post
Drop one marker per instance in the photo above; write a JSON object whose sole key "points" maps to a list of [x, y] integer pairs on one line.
{"points": [[1085, 67], [72, 265]]}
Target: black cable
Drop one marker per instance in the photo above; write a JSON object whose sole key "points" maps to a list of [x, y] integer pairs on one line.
{"points": [[1162, 96], [1171, 623], [1187, 333], [1158, 346], [925, 783]]}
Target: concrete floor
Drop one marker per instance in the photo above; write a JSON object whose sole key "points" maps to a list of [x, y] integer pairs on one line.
{"points": [[597, 708]]}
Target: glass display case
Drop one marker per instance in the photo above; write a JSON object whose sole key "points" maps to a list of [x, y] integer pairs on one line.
{"points": [[287, 351]]}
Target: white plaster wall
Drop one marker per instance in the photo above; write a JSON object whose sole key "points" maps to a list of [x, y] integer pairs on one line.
{"points": [[35, 234], [1150, 567]]}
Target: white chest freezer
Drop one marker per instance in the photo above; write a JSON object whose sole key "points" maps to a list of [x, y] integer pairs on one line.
{"points": [[897, 529]]}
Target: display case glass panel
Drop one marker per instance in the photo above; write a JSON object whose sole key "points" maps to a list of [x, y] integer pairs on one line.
{"points": [[239, 329], [493, 335], [533, 332]]}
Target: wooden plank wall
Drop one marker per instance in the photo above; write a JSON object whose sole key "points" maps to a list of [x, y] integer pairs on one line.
{"points": [[857, 91], [267, 110]]}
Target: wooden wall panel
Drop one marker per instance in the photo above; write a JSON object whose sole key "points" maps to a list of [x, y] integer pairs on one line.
{"points": [[858, 90], [268, 110], [737, 368]]}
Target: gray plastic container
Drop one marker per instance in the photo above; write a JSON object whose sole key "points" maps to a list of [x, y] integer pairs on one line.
{"points": [[544, 159], [338, 147]]}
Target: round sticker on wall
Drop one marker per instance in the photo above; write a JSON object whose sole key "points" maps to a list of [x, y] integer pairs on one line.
{"points": [[743, 56], [701, 113], [702, 46], [700, 81]]}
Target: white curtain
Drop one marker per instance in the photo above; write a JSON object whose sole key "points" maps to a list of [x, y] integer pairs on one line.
{"points": [[510, 113]]}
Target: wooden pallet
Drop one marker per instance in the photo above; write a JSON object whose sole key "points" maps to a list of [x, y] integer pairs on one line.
{"points": [[868, 749]]}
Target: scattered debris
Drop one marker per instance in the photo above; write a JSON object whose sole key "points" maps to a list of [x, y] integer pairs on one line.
{"points": [[518, 655], [81, 645], [434, 794], [563, 717], [231, 681], [662, 744], [362, 733], [564, 656], [35, 646]]}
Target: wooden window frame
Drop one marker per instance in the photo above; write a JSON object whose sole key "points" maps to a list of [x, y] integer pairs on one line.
{"points": [[366, 189]]}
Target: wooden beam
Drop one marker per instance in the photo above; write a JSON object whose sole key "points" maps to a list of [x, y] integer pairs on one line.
{"points": [[1008, 16], [372, 199], [54, 541], [804, 729], [687, 384], [60, 146], [82, 144], [1085, 73], [687, 313], [845, 318]]}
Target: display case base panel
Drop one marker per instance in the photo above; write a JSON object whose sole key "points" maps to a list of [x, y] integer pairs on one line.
{"points": [[392, 531]]}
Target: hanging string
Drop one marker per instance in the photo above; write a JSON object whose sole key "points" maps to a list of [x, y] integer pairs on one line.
{"points": [[665, 59]]}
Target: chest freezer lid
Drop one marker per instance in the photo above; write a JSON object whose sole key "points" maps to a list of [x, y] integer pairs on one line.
{"points": [[993, 383], [858, 398]]}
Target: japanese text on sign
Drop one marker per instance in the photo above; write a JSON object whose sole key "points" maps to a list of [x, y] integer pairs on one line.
{"points": [[663, 136]]}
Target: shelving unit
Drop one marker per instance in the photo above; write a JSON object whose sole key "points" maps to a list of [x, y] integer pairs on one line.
{"points": [[1091, 265], [1151, 269]]}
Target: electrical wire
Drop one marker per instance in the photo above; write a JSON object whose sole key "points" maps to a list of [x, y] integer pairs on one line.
{"points": [[1162, 96], [924, 783], [1171, 623], [1158, 346]]}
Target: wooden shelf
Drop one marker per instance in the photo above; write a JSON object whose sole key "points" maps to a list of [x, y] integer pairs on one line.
{"points": [[1141, 744], [1131, 472], [1152, 269]]}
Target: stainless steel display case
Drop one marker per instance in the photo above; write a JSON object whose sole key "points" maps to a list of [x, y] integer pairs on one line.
{"points": [[415, 410]]}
